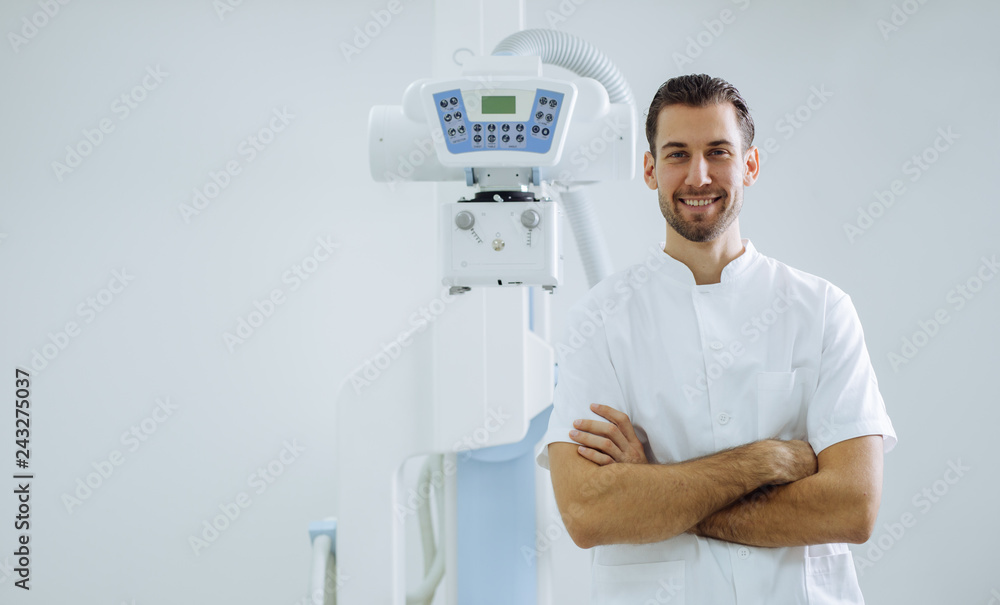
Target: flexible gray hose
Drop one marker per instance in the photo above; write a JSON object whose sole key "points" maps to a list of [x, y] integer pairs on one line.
{"points": [[423, 594], [575, 54], [585, 60], [588, 234]]}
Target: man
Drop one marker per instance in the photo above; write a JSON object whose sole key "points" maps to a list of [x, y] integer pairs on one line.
{"points": [[730, 430]]}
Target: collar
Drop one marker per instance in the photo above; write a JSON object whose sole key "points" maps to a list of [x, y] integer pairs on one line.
{"points": [[681, 275]]}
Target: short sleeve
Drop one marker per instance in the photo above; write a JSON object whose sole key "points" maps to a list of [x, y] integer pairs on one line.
{"points": [[847, 402], [585, 375]]}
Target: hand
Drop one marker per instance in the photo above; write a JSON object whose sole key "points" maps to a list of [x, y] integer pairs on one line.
{"points": [[606, 443], [794, 460]]}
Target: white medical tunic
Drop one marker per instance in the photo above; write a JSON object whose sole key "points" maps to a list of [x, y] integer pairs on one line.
{"points": [[769, 352]]}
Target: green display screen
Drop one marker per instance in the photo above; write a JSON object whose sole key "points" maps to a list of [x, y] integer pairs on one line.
{"points": [[498, 105]]}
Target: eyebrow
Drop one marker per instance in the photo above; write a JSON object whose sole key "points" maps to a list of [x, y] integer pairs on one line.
{"points": [[684, 145]]}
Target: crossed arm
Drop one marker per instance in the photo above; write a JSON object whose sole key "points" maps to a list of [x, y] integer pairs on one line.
{"points": [[765, 493]]}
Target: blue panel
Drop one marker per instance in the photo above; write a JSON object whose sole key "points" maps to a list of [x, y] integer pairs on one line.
{"points": [[462, 135], [496, 521]]}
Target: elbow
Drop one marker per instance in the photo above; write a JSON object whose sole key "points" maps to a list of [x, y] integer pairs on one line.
{"points": [[862, 520], [574, 517], [859, 534]]}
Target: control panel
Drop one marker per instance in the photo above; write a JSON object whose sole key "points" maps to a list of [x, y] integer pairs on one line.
{"points": [[506, 119], [500, 244]]}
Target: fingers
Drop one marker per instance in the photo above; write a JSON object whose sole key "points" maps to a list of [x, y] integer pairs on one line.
{"points": [[607, 435], [596, 442], [620, 419], [595, 456]]}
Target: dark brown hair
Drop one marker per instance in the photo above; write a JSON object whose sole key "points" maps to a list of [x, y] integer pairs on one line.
{"points": [[698, 90]]}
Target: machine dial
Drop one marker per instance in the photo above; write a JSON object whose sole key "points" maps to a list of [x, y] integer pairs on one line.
{"points": [[465, 220]]}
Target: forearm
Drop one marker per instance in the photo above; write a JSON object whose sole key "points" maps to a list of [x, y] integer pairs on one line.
{"points": [[813, 510], [643, 503]]}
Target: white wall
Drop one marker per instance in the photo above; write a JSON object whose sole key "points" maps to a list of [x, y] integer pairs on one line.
{"points": [[162, 337]]}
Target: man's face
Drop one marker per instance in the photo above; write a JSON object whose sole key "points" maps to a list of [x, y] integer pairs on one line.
{"points": [[699, 170]]}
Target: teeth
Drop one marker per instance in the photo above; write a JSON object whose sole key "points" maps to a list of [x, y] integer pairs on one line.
{"points": [[698, 202]]}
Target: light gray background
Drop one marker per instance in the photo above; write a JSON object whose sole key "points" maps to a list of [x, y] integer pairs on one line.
{"points": [[162, 337]]}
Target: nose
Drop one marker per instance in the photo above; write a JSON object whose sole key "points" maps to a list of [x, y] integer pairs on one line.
{"points": [[697, 175]]}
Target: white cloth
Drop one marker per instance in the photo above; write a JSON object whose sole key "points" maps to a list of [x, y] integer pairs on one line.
{"points": [[770, 351]]}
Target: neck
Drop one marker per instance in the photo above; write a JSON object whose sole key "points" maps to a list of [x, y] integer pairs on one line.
{"points": [[705, 259]]}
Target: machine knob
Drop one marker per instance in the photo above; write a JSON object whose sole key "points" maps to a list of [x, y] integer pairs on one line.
{"points": [[530, 219], [465, 220]]}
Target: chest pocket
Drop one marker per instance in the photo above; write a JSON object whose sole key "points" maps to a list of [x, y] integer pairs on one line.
{"points": [[659, 582], [782, 402], [831, 580]]}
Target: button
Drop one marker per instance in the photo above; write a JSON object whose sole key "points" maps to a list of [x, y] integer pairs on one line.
{"points": [[454, 101], [451, 132], [491, 127], [716, 345], [444, 103], [535, 129], [743, 552], [478, 138], [461, 130], [724, 418], [539, 115], [447, 117], [492, 138], [545, 132], [542, 101], [520, 138], [465, 220], [505, 128], [548, 117], [477, 127], [458, 115], [552, 103], [505, 138], [520, 127]]}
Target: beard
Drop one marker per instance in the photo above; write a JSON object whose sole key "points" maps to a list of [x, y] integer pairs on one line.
{"points": [[702, 227]]}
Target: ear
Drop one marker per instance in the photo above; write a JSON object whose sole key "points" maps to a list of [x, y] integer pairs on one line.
{"points": [[649, 170], [751, 168]]}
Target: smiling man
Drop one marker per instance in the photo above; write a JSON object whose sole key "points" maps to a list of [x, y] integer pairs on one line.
{"points": [[718, 437]]}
